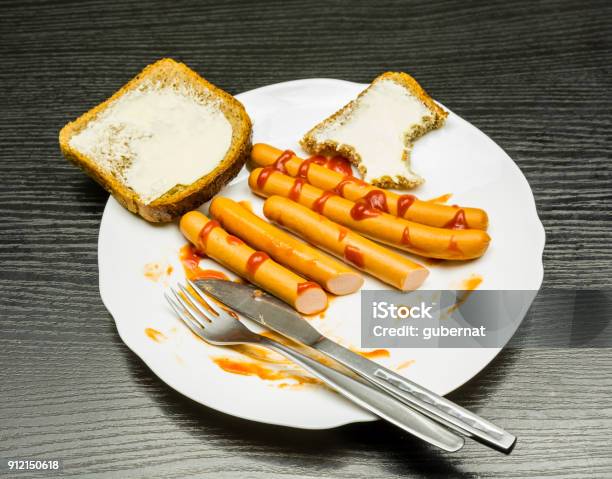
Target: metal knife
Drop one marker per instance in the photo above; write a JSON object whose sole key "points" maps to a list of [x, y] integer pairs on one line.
{"points": [[277, 316]]}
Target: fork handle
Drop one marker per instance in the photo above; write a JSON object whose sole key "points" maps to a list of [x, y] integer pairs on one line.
{"points": [[374, 400], [432, 405]]}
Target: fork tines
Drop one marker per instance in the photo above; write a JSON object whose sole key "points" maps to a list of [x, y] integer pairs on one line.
{"points": [[188, 306]]}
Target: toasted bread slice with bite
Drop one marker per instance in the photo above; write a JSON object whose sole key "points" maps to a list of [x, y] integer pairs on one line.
{"points": [[376, 130], [165, 143]]}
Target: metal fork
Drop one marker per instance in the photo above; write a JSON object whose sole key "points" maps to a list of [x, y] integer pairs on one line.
{"points": [[218, 327]]}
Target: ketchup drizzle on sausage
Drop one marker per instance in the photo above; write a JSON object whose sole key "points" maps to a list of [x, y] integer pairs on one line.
{"points": [[354, 255], [361, 211], [264, 175], [454, 247], [255, 261], [233, 240], [296, 189], [303, 169], [284, 157], [403, 203], [340, 164], [205, 231], [406, 237], [319, 203], [301, 287], [339, 188], [458, 222], [376, 199]]}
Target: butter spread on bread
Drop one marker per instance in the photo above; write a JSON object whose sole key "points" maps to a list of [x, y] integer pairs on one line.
{"points": [[377, 129], [156, 138], [165, 143]]}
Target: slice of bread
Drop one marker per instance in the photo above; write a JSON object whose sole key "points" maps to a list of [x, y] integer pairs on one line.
{"points": [[376, 130], [163, 144]]}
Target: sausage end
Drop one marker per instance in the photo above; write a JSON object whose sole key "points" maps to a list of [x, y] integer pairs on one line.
{"points": [[263, 154], [344, 283], [253, 180], [415, 279], [191, 224], [311, 301]]}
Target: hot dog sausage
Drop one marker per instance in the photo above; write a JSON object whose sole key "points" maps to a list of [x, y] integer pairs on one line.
{"points": [[208, 236], [405, 206], [305, 260], [416, 238], [386, 265]]}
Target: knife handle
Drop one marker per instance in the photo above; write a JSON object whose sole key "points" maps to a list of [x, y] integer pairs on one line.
{"points": [[374, 400], [421, 399]]}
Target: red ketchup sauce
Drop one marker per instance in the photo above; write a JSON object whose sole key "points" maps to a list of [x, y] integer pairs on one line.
{"points": [[255, 261], [284, 157], [458, 222], [403, 203], [190, 259], [340, 165], [319, 203], [233, 240], [155, 335], [361, 211], [454, 247], [342, 232], [376, 199], [354, 255], [264, 175], [377, 353], [296, 189], [406, 237], [339, 188], [303, 170], [205, 231], [209, 274], [301, 287]]}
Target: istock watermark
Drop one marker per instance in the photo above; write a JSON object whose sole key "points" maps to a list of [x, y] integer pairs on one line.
{"points": [[447, 319], [384, 310], [548, 318]]}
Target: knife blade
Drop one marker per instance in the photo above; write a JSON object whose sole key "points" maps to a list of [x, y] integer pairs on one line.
{"points": [[272, 313], [262, 308]]}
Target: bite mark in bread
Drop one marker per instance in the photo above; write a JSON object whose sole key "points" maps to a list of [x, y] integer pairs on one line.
{"points": [[377, 129]]}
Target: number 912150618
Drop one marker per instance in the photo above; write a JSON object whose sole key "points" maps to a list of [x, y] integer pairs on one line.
{"points": [[32, 465]]}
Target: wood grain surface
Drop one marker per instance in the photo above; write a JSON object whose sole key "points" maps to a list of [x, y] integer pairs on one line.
{"points": [[534, 76]]}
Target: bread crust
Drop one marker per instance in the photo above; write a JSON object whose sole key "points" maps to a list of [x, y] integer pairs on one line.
{"points": [[181, 198], [330, 147]]}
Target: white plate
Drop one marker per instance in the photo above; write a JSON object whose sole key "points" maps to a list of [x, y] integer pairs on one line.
{"points": [[457, 159]]}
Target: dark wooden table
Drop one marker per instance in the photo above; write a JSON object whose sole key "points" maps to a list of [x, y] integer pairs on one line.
{"points": [[535, 76]]}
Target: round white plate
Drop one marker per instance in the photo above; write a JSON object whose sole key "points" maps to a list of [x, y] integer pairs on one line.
{"points": [[457, 159]]}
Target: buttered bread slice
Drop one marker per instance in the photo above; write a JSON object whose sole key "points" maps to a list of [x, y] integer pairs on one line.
{"points": [[163, 144], [376, 130]]}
